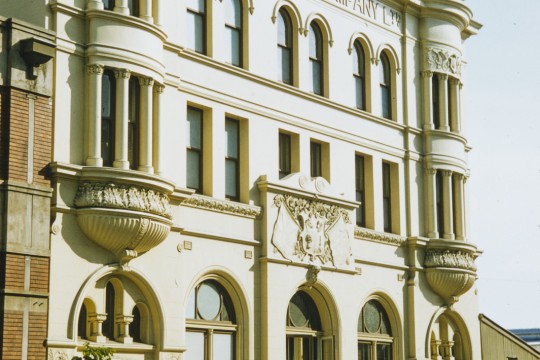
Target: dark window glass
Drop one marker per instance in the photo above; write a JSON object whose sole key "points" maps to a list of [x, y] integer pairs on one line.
{"points": [[284, 47], [316, 60], [194, 149], [316, 159], [108, 4], [284, 155], [108, 324], [439, 203], [233, 28], [81, 325], [364, 351], [360, 190], [133, 6], [135, 326], [196, 25], [387, 199], [435, 101], [232, 159], [108, 93], [359, 72], [133, 122], [450, 101], [386, 86]]}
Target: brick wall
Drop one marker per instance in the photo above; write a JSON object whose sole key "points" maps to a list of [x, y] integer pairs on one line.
{"points": [[12, 336]]}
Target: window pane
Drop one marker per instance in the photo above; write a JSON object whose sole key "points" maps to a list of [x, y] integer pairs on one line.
{"points": [[314, 41], [195, 31], [133, 6], [231, 179], [285, 68], [208, 301], [316, 160], [233, 13], [385, 101], [284, 155], [359, 85], [193, 171], [282, 30], [223, 345], [233, 50], [384, 351], [195, 346], [364, 351], [197, 5], [231, 138], [315, 77], [194, 128]]}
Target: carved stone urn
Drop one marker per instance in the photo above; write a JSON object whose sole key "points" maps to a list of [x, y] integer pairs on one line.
{"points": [[125, 215], [450, 268]]}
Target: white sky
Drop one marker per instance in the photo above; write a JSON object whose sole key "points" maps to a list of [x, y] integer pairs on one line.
{"points": [[501, 118]]}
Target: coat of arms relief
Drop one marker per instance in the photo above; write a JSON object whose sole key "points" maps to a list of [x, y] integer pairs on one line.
{"points": [[313, 232]]}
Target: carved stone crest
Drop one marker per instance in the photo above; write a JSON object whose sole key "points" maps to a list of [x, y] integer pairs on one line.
{"points": [[449, 259], [439, 60], [311, 231]]}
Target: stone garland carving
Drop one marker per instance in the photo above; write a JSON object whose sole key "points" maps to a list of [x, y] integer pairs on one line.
{"points": [[439, 60], [122, 196], [57, 355], [449, 258], [372, 235], [312, 231], [222, 206]]}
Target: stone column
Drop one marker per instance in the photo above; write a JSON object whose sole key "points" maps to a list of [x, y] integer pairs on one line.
{"points": [[121, 119], [95, 76], [123, 322], [146, 10], [428, 95], [156, 130], [121, 6], [447, 204], [145, 140], [96, 327], [94, 5], [459, 207], [454, 107], [431, 187], [443, 102]]}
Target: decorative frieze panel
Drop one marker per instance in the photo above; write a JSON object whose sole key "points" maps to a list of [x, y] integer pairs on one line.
{"points": [[311, 231], [380, 237], [442, 61], [449, 259], [222, 206], [122, 196]]}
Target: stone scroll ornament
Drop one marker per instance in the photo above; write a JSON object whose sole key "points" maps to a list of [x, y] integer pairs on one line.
{"points": [[313, 232], [439, 60]]}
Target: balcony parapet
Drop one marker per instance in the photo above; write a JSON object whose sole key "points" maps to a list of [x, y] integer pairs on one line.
{"points": [[450, 268]]}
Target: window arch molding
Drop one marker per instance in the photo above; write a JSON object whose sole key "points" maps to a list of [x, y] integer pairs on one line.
{"points": [[394, 71], [361, 40], [294, 13], [295, 20], [321, 63], [453, 320], [87, 295], [324, 25], [393, 317], [238, 296]]}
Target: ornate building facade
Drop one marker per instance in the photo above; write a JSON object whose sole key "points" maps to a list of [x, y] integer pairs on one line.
{"points": [[236, 179]]}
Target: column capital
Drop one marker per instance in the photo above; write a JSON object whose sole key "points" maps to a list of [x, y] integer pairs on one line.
{"points": [[427, 74], [159, 88], [144, 81], [442, 77], [94, 69], [454, 81], [122, 73], [447, 173], [431, 171], [459, 176]]}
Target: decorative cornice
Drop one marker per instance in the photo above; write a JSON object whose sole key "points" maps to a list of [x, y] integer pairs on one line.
{"points": [[442, 61], [223, 206], [380, 237], [449, 259], [122, 196]]}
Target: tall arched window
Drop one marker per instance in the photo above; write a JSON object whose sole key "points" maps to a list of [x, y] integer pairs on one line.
{"points": [[304, 330], [108, 100], [285, 47], [385, 80], [135, 326], [196, 25], [316, 58], [211, 324], [108, 324], [359, 74], [374, 333], [233, 27]]}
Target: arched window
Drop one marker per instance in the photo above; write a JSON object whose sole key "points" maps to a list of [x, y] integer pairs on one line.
{"points": [[385, 80], [316, 58], [210, 323], [304, 330], [108, 324], [196, 25], [448, 340], [133, 122], [359, 74], [233, 36], [374, 333], [108, 100], [285, 47], [82, 321], [135, 326]]}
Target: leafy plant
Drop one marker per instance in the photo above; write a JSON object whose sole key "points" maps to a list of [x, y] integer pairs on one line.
{"points": [[95, 353]]}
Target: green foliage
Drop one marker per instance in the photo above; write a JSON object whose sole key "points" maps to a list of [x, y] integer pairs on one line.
{"points": [[95, 353]]}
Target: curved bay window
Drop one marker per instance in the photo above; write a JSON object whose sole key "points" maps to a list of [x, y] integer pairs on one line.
{"points": [[385, 81], [304, 330], [359, 74], [285, 47], [210, 323], [233, 36], [374, 333], [316, 60]]}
